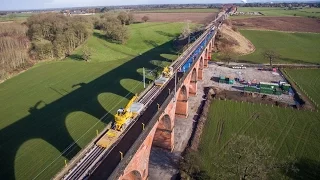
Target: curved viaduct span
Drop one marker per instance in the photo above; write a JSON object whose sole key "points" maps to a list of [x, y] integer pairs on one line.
{"points": [[128, 158]]}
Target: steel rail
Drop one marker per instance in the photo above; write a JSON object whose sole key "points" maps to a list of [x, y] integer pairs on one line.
{"points": [[91, 159]]}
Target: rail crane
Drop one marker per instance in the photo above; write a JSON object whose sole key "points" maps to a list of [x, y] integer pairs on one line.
{"points": [[125, 116], [122, 119]]}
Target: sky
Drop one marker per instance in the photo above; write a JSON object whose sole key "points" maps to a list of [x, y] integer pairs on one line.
{"points": [[44, 4]]}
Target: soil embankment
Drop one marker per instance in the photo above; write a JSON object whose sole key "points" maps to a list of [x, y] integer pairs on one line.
{"points": [[230, 39], [201, 120]]}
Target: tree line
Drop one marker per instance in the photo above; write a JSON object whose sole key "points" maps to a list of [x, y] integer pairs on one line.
{"points": [[54, 36], [114, 26], [14, 45]]}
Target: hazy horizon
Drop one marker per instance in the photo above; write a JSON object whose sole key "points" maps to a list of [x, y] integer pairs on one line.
{"points": [[7, 5]]}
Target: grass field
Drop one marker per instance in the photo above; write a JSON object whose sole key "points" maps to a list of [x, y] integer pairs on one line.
{"points": [[291, 132], [15, 17], [308, 81], [58, 106], [180, 11], [305, 12], [293, 47]]}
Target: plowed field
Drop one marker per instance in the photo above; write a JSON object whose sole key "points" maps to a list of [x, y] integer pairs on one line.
{"points": [[296, 24]]}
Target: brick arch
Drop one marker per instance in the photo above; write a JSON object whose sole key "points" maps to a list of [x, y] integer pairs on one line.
{"points": [[212, 42], [164, 133], [133, 175], [206, 54], [193, 83], [182, 102], [210, 51], [200, 70]]}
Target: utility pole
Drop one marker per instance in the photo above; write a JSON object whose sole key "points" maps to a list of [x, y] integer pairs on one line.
{"points": [[144, 78]]}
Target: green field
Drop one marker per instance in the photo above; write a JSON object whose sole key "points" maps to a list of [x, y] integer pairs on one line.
{"points": [[15, 17], [207, 10], [298, 48], [304, 12], [291, 132], [308, 81], [57, 106]]}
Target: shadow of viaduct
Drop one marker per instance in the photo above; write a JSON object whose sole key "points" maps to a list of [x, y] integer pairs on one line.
{"points": [[49, 122]]}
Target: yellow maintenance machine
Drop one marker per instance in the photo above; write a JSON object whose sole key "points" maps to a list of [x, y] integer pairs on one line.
{"points": [[125, 116], [122, 119], [165, 75]]}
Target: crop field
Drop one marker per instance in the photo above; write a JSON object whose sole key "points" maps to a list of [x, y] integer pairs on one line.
{"points": [[298, 48], [207, 10], [304, 12], [308, 81], [291, 132], [51, 111]]}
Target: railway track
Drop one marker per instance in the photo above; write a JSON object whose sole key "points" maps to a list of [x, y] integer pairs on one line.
{"points": [[85, 162], [94, 157]]}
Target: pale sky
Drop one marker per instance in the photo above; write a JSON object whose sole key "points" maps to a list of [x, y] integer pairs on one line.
{"points": [[41, 4]]}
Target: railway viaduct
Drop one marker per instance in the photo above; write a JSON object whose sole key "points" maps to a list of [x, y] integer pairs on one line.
{"points": [[160, 129], [128, 159], [162, 133]]}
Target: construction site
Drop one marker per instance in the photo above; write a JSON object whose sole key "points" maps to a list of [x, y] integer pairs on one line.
{"points": [[253, 80]]}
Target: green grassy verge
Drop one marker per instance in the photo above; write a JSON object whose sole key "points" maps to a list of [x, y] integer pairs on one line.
{"points": [[57, 104], [308, 81], [304, 12], [291, 132], [293, 47], [179, 11]]}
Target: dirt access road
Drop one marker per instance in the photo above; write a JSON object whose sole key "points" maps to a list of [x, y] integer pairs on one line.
{"points": [[201, 18], [293, 24]]}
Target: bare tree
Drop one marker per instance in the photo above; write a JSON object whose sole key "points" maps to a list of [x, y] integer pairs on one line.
{"points": [[227, 55], [130, 19], [186, 30], [271, 56], [114, 30], [86, 53], [145, 18], [123, 17]]}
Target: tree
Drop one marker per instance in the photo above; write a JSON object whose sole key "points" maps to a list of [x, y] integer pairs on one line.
{"points": [[246, 158], [123, 17], [64, 34], [189, 167], [130, 19], [271, 56], [186, 30], [145, 18], [122, 35], [114, 30], [86, 53], [227, 55]]}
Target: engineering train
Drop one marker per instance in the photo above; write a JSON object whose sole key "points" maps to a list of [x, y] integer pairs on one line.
{"points": [[125, 116]]}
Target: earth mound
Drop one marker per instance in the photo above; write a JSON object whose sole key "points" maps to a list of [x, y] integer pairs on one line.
{"points": [[229, 38]]}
